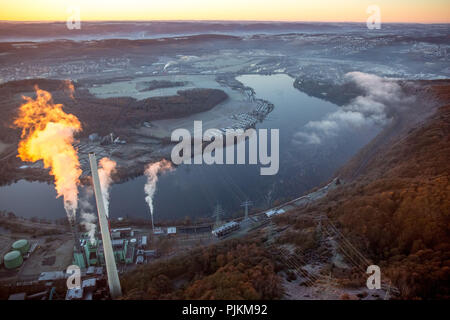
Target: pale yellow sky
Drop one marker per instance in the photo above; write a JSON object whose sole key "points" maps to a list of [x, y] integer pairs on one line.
{"points": [[423, 11]]}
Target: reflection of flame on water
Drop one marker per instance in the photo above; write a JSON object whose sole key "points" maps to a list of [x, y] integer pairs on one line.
{"points": [[151, 171], [47, 135]]}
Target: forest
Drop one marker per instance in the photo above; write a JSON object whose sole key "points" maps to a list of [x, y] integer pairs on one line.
{"points": [[233, 269]]}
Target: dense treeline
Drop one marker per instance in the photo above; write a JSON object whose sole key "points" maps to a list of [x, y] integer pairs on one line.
{"points": [[404, 215], [186, 102], [158, 84], [339, 94], [233, 269]]}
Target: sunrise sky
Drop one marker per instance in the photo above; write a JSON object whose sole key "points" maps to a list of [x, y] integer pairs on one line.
{"points": [[423, 11]]}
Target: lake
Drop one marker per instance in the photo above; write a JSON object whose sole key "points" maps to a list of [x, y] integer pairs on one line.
{"points": [[194, 190]]}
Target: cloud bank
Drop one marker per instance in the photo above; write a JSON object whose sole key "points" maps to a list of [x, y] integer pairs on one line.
{"points": [[370, 109]]}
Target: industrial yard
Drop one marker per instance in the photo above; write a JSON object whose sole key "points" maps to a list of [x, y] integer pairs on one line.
{"points": [[44, 259]]}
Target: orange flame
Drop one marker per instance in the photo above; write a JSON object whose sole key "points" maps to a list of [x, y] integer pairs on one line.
{"points": [[47, 135]]}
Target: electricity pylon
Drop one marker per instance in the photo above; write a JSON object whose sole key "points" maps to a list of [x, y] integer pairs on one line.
{"points": [[246, 204], [218, 212]]}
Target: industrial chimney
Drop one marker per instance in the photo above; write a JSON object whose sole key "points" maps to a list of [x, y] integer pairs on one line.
{"points": [[111, 268]]}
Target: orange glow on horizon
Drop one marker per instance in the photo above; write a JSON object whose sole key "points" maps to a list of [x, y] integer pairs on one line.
{"points": [[421, 11]]}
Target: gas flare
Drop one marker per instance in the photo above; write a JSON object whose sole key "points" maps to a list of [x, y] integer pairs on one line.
{"points": [[151, 171], [107, 167], [47, 135]]}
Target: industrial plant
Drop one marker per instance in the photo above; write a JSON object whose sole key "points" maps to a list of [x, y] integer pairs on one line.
{"points": [[127, 247], [109, 249]]}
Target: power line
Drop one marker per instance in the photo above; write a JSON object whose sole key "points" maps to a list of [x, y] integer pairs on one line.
{"points": [[288, 261], [358, 253]]}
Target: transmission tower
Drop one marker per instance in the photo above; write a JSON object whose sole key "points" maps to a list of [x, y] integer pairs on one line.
{"points": [[246, 204], [218, 212]]}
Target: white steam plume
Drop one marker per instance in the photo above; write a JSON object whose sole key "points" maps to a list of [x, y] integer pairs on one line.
{"points": [[106, 168], [369, 109], [88, 218], [151, 171]]}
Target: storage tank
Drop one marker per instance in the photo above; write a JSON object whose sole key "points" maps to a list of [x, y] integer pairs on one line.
{"points": [[22, 246], [12, 259]]}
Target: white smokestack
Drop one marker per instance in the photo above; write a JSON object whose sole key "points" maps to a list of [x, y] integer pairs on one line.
{"points": [[151, 171], [111, 268]]}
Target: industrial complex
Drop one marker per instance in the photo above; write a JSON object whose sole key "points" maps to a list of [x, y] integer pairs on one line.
{"points": [[99, 265], [129, 247]]}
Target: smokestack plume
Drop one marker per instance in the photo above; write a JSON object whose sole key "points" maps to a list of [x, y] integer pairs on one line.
{"points": [[111, 268], [88, 218], [151, 171], [107, 167], [47, 135]]}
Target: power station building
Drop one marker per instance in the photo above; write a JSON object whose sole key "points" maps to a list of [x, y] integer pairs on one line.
{"points": [[92, 252], [226, 229]]}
